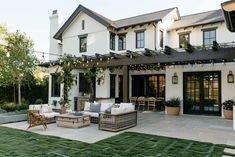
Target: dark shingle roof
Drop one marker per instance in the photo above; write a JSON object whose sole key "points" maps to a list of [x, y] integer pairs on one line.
{"points": [[141, 19], [198, 19], [145, 18]]}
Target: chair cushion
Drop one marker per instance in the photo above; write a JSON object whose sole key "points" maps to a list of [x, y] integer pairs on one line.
{"points": [[87, 106], [92, 114], [105, 106], [35, 107], [95, 107], [46, 108]]}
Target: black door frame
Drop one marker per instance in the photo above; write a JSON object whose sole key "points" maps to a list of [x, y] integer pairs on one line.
{"points": [[200, 74]]}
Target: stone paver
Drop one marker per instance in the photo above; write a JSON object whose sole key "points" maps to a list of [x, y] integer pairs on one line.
{"points": [[200, 128], [230, 151]]}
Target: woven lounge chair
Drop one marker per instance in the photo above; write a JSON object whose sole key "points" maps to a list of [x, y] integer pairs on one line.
{"points": [[35, 119]]}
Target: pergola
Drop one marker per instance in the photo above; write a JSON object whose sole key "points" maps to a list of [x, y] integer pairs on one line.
{"points": [[166, 57]]}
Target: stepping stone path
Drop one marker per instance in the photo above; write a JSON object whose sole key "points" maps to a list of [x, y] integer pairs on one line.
{"points": [[229, 152]]}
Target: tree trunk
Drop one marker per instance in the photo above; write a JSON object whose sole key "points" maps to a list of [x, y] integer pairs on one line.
{"points": [[19, 93], [14, 92]]}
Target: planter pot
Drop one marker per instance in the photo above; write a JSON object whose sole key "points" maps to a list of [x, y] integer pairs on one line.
{"points": [[63, 110], [173, 111], [228, 114]]}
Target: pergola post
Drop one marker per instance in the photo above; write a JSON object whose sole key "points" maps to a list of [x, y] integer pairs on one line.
{"points": [[125, 83]]}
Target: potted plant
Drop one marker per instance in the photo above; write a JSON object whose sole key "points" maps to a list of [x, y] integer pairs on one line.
{"points": [[173, 106], [64, 105], [228, 109]]}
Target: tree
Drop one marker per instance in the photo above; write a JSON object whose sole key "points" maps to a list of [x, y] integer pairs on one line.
{"points": [[17, 61]]}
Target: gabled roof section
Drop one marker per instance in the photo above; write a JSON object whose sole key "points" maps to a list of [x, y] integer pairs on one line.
{"points": [[101, 19], [141, 19], [209, 17], [127, 22]]}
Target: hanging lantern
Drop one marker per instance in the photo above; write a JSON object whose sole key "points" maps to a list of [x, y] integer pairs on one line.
{"points": [[175, 79], [230, 77]]}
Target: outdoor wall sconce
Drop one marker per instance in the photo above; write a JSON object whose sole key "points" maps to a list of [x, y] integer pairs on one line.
{"points": [[175, 79], [230, 77]]}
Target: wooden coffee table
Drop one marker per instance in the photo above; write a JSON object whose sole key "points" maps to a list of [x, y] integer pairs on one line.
{"points": [[71, 121]]}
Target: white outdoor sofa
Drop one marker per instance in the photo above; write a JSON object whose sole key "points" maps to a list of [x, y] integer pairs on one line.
{"points": [[120, 118]]}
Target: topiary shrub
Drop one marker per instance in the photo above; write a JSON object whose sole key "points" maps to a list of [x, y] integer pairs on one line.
{"points": [[22, 107], [39, 101], [9, 107], [2, 111]]}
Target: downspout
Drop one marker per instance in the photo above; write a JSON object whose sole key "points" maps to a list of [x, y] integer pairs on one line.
{"points": [[155, 35]]}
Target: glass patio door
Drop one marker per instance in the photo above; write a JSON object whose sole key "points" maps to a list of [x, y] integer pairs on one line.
{"points": [[202, 93]]}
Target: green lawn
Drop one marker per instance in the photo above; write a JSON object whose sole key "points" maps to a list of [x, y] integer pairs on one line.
{"points": [[16, 143]]}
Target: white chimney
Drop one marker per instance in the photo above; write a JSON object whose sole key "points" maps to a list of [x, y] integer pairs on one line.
{"points": [[55, 46]]}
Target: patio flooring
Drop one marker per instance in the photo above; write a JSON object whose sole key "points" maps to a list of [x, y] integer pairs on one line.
{"points": [[200, 128]]}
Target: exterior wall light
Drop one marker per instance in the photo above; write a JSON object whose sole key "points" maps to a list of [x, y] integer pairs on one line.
{"points": [[175, 79], [230, 77]]}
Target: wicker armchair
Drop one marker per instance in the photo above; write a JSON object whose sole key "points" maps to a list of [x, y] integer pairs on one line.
{"points": [[117, 122], [141, 102], [35, 119], [152, 103]]}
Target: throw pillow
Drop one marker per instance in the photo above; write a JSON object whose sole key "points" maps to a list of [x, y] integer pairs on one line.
{"points": [[87, 106], [94, 107], [108, 110]]}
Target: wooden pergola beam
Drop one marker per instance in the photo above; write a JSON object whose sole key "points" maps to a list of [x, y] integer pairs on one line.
{"points": [[227, 54]]}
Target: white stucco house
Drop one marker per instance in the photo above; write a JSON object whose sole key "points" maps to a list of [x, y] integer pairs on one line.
{"points": [[88, 33]]}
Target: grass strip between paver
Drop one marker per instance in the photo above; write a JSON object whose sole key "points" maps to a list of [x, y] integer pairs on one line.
{"points": [[19, 143]]}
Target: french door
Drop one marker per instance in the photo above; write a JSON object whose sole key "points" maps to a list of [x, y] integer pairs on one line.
{"points": [[202, 93]]}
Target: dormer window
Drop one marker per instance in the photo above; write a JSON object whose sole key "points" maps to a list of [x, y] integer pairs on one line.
{"points": [[112, 41], [209, 36], [184, 38], [83, 24], [140, 39], [121, 42]]}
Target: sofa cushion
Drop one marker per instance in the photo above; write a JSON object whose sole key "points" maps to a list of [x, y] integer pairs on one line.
{"points": [[87, 106], [105, 106], [46, 108], [95, 107], [92, 114], [50, 115]]}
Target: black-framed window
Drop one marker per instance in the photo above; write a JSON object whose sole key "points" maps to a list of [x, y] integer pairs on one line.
{"points": [[112, 41], [161, 38], [84, 86], [209, 36], [122, 42], [148, 85], [83, 24], [83, 44], [183, 39], [140, 39], [55, 86], [112, 85]]}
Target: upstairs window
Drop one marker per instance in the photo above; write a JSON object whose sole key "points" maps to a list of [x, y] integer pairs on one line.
{"points": [[122, 42], [112, 41], [55, 86], [140, 39], [208, 37], [83, 24], [161, 39], [83, 44], [184, 39]]}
